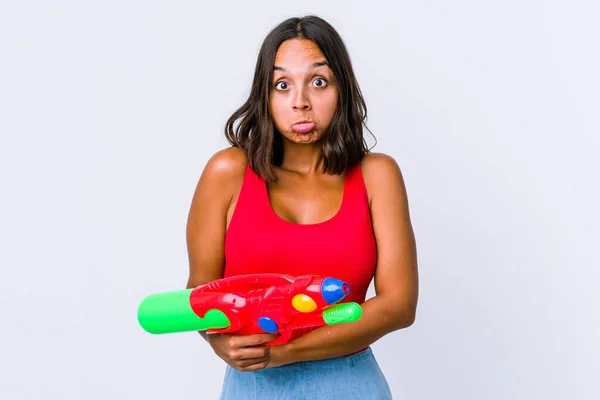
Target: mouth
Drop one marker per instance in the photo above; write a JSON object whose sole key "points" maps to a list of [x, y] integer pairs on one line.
{"points": [[303, 127]]}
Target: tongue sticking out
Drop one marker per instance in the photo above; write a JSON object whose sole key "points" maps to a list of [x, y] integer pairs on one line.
{"points": [[303, 128]]}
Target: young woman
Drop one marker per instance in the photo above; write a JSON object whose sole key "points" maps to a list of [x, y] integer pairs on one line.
{"points": [[300, 193]]}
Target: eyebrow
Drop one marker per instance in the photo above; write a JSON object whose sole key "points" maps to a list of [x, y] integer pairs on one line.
{"points": [[313, 66]]}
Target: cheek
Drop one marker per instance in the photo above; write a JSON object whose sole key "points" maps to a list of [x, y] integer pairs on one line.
{"points": [[275, 106], [278, 112], [327, 105]]}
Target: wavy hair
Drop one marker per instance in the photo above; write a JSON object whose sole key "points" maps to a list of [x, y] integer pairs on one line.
{"points": [[251, 127]]}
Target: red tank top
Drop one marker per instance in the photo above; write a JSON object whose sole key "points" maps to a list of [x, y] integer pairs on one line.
{"points": [[343, 247]]}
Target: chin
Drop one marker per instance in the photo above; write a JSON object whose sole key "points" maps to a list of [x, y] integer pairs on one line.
{"points": [[310, 137]]}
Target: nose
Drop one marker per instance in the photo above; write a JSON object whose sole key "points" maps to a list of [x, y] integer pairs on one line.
{"points": [[301, 101]]}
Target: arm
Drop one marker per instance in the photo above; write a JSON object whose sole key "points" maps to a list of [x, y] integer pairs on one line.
{"points": [[211, 208], [207, 219], [396, 277]]}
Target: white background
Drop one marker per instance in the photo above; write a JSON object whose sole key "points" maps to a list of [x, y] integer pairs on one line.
{"points": [[109, 111]]}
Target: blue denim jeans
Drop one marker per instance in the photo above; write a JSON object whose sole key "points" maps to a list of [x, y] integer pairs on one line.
{"points": [[356, 376]]}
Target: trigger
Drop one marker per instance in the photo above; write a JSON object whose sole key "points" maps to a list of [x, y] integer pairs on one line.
{"points": [[284, 337]]}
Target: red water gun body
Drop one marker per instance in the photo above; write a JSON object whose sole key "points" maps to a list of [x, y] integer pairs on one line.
{"points": [[272, 303]]}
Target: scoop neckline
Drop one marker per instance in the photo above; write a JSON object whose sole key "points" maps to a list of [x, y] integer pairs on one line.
{"points": [[329, 220]]}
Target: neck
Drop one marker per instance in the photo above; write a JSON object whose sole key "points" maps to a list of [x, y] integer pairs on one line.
{"points": [[302, 158]]}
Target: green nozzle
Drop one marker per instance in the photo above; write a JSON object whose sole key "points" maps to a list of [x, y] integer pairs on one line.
{"points": [[341, 313], [170, 312]]}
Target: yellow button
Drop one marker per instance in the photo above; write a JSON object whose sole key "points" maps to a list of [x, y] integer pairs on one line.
{"points": [[304, 303]]}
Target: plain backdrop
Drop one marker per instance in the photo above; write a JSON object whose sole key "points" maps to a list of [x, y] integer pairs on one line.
{"points": [[109, 111]]}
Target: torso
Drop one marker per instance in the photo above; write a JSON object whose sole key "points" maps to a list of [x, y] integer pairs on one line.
{"points": [[310, 234], [302, 226]]}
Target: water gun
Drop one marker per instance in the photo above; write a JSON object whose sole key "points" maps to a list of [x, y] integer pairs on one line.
{"points": [[248, 304]]}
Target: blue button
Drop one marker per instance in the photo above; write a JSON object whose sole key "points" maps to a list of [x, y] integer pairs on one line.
{"points": [[268, 325]]}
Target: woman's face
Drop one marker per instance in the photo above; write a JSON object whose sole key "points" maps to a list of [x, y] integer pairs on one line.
{"points": [[303, 91]]}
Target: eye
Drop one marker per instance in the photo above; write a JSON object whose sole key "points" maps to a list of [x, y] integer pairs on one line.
{"points": [[281, 85], [320, 82]]}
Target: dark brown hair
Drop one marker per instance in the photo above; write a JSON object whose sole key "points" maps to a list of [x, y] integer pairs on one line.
{"points": [[255, 133]]}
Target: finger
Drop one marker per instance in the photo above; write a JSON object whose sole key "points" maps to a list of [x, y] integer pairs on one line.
{"points": [[249, 353], [237, 341], [255, 367], [247, 362]]}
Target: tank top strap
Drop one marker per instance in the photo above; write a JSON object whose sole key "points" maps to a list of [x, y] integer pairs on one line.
{"points": [[252, 182], [357, 190], [250, 204]]}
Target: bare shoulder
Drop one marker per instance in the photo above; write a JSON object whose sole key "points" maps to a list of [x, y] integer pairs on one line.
{"points": [[227, 163], [223, 174], [375, 163], [380, 171]]}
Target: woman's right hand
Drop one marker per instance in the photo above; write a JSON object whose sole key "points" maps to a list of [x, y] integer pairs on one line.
{"points": [[242, 352]]}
